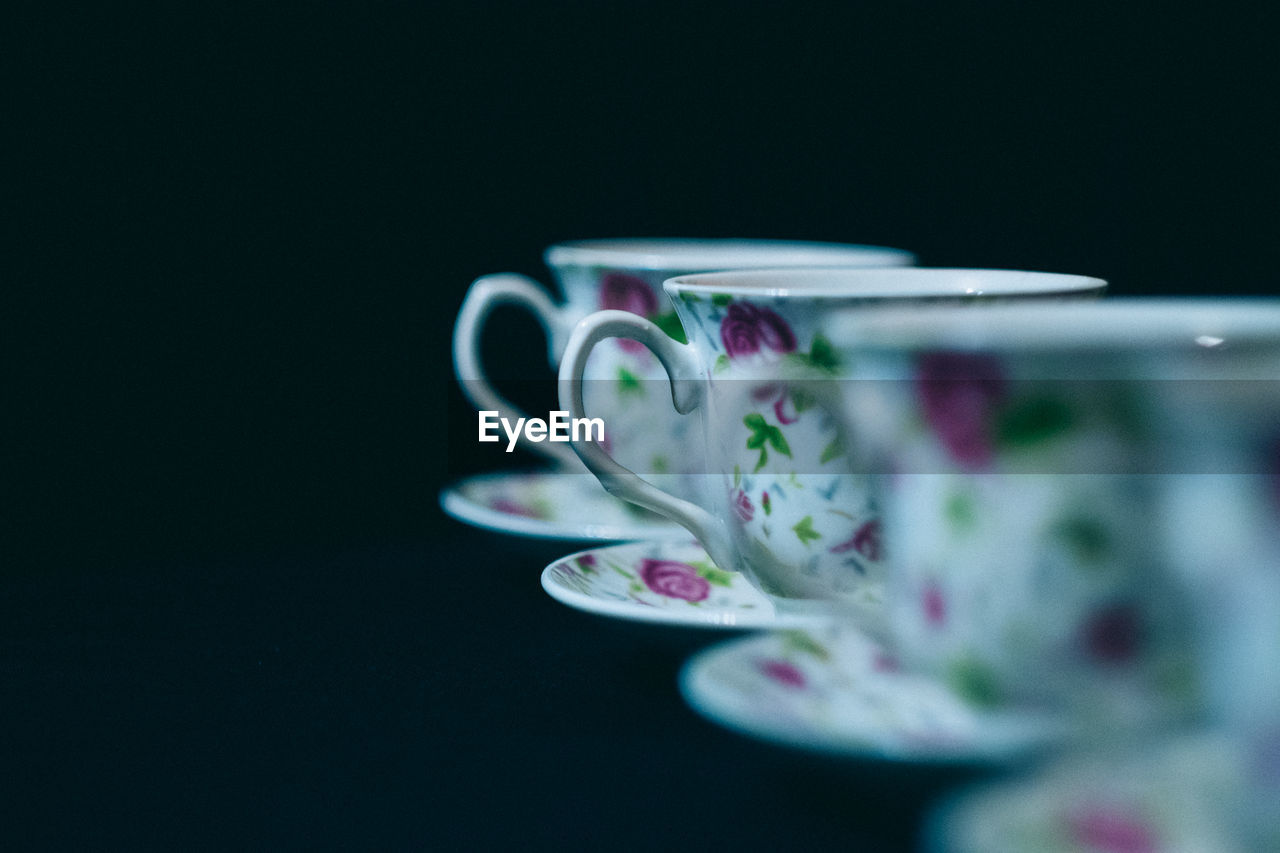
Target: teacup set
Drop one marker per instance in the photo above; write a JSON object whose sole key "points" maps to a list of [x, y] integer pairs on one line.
{"points": [[627, 384], [989, 516]]}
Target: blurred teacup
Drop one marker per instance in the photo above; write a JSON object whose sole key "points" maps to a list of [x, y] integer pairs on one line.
{"points": [[782, 504], [1023, 462], [1220, 430]]}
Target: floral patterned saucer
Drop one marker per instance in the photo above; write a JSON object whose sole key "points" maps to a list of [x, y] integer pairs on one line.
{"points": [[671, 582], [834, 691], [1199, 792], [551, 506]]}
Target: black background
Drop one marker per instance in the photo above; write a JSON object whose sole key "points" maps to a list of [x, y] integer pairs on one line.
{"points": [[243, 234]]}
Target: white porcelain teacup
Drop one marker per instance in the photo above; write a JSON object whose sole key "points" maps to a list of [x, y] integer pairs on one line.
{"points": [[625, 274], [1220, 429], [1025, 458], [783, 505]]}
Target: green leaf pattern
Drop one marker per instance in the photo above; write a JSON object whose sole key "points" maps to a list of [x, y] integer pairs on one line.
{"points": [[763, 436], [834, 450], [670, 324], [801, 642], [1033, 420], [628, 382], [804, 530]]}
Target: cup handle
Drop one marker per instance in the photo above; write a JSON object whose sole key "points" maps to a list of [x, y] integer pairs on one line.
{"points": [[485, 294], [687, 392]]}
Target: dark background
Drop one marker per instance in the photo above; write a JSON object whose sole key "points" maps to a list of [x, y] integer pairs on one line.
{"points": [[243, 234]]}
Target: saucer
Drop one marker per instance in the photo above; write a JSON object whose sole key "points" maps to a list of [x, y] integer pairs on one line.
{"points": [[551, 506], [1192, 793], [834, 691], [672, 583]]}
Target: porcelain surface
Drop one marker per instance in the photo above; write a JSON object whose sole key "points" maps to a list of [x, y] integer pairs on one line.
{"points": [[626, 384], [670, 583], [551, 506], [834, 691], [760, 371], [1026, 455], [1205, 792]]}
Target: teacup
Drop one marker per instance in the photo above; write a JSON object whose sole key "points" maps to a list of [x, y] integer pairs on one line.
{"points": [[1023, 464], [1220, 429], [784, 506], [625, 274]]}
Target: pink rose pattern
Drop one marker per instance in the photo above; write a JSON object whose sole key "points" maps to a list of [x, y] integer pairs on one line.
{"points": [[674, 580], [742, 506], [623, 292], [779, 394], [786, 674], [865, 540], [1110, 830], [768, 391], [510, 507], [1113, 635], [935, 605], [885, 662], [959, 393], [780, 410], [747, 328]]}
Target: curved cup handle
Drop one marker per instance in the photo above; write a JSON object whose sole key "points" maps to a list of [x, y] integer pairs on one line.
{"points": [[687, 391], [485, 294]]}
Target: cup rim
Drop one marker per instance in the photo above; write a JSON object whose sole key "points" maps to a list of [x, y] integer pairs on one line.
{"points": [[683, 254], [917, 283], [1166, 323]]}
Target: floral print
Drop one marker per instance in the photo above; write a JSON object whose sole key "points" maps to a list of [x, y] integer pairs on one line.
{"points": [[780, 410], [834, 689], [1188, 792], [959, 393], [934, 604], [793, 498], [747, 328], [1022, 562], [780, 396], [882, 661], [763, 436], [1110, 830], [674, 579], [783, 672], [865, 541], [510, 507], [623, 292], [1112, 635], [611, 581]]}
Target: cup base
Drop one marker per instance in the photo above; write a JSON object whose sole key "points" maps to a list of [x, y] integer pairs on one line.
{"points": [[863, 610]]}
